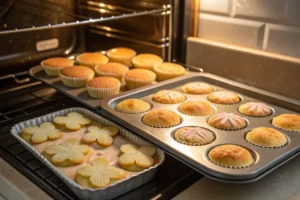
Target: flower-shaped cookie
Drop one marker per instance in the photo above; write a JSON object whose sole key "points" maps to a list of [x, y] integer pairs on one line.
{"points": [[73, 121], [98, 174], [103, 136], [136, 159], [46, 131], [67, 153]]}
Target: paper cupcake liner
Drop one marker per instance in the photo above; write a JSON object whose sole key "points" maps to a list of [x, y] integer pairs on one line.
{"points": [[51, 71], [151, 106], [117, 76], [142, 119], [134, 83], [75, 82], [269, 147], [100, 93], [170, 103], [284, 129]]}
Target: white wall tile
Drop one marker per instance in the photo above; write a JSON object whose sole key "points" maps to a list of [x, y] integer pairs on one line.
{"points": [[215, 6]]}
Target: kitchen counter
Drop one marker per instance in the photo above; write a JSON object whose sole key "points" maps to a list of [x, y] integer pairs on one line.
{"points": [[283, 183]]}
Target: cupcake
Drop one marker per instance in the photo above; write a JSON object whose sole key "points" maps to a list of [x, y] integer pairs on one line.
{"points": [[133, 106], [161, 118], [139, 77], [52, 66], [266, 137], [255, 109], [224, 97], [168, 70], [76, 76], [229, 155], [168, 97], [91, 59], [111, 69], [121, 55], [227, 121], [101, 87], [193, 135], [146, 61], [197, 88], [290, 122], [196, 108]]}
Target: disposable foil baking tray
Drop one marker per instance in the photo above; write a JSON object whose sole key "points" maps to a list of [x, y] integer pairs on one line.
{"points": [[133, 180], [266, 159]]}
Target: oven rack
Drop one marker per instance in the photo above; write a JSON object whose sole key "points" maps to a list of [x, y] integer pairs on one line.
{"points": [[104, 12]]}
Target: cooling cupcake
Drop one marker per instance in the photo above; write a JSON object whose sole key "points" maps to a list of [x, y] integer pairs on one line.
{"points": [[255, 109], [197, 88], [52, 66], [227, 121], [146, 61], [231, 156], [266, 137], [290, 122], [121, 55], [112, 69], [224, 97], [161, 118], [168, 97], [133, 106], [196, 108], [91, 59], [168, 70], [139, 77], [76, 76], [193, 135], [101, 87]]}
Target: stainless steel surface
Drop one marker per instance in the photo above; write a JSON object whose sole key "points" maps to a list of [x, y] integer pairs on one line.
{"points": [[109, 192], [266, 159]]}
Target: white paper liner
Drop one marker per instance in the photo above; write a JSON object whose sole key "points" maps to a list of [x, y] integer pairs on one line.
{"points": [[109, 192], [75, 82], [100, 93]]}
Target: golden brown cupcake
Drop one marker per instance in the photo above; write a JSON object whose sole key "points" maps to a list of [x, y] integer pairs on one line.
{"points": [[76, 76], [168, 70], [112, 69], [139, 77], [101, 87], [121, 55], [229, 155], [146, 61], [161, 118], [227, 121], [290, 122], [196, 108], [197, 88], [255, 109], [168, 97], [91, 59], [266, 137], [52, 66], [193, 135], [223, 97], [133, 106]]}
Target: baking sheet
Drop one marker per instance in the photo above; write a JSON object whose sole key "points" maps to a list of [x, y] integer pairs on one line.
{"points": [[267, 159], [111, 154]]}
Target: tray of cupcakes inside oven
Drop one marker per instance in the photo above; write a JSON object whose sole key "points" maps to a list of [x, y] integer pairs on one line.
{"points": [[91, 76], [226, 130], [96, 158]]}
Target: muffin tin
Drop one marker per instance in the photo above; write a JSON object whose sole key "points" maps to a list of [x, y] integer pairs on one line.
{"points": [[266, 159]]}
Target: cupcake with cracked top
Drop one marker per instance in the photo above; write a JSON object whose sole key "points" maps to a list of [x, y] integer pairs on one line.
{"points": [[133, 106], [121, 55], [112, 69], [224, 97], [146, 61], [135, 78], [255, 109], [161, 118], [168, 70], [101, 87], [227, 121], [168, 97], [91, 59], [52, 66], [290, 122], [197, 88], [194, 135], [76, 76], [196, 108]]}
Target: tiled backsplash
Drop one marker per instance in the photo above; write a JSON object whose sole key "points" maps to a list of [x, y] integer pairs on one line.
{"points": [[268, 25]]}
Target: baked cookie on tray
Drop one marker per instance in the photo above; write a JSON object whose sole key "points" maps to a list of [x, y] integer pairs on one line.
{"points": [[73, 121], [103, 136]]}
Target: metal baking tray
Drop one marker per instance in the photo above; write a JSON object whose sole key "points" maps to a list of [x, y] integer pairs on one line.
{"points": [[132, 181], [266, 159]]}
